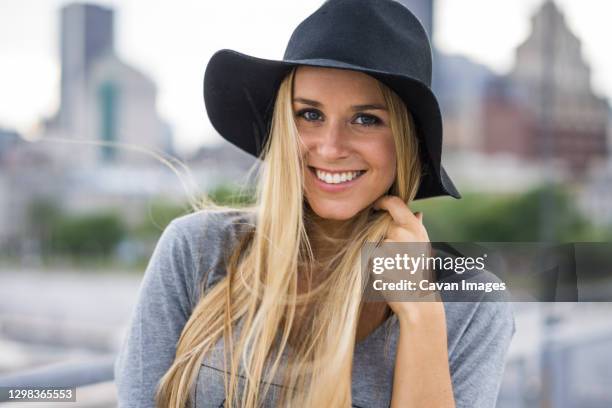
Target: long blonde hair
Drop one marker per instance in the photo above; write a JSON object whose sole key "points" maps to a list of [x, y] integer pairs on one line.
{"points": [[318, 371]]}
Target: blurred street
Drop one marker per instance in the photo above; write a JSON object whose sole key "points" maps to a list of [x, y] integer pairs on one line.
{"points": [[50, 316]]}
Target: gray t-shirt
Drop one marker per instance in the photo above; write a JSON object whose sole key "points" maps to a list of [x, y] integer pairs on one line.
{"points": [[479, 333]]}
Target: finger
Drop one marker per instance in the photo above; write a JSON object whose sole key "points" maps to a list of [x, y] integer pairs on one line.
{"points": [[399, 211], [399, 233], [416, 233]]}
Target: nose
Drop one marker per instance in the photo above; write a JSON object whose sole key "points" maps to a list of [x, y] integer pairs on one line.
{"points": [[333, 142]]}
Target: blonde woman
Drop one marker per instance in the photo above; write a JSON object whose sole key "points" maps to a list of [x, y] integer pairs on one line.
{"points": [[265, 306]]}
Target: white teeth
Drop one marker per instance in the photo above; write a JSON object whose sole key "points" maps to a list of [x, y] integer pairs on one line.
{"points": [[336, 178]]}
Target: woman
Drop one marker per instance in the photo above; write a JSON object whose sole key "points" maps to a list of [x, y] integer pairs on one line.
{"points": [[265, 306]]}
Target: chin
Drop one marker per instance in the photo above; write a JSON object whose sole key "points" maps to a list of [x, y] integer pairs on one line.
{"points": [[336, 212]]}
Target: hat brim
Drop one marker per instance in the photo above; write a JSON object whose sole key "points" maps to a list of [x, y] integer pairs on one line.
{"points": [[239, 95]]}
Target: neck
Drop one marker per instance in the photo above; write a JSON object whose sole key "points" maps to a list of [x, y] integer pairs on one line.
{"points": [[324, 226], [326, 235]]}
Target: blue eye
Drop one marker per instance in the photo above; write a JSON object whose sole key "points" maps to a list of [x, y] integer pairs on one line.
{"points": [[309, 114], [368, 120]]}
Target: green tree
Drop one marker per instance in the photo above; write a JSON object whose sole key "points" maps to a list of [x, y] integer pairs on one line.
{"points": [[158, 215], [88, 235], [229, 194], [507, 217]]}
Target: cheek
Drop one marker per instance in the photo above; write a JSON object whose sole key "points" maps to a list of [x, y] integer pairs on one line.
{"points": [[305, 143], [389, 171], [384, 157]]}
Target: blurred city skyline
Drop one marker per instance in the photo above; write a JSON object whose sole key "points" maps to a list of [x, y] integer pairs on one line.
{"points": [[175, 58]]}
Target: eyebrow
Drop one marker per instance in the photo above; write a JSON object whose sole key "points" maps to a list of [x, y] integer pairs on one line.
{"points": [[369, 106]]}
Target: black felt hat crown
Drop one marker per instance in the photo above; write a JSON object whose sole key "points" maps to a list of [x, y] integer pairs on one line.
{"points": [[381, 38]]}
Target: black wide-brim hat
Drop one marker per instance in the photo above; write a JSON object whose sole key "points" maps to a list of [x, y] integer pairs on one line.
{"points": [[381, 38]]}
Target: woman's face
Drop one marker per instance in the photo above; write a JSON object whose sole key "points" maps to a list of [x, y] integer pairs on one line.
{"points": [[347, 142]]}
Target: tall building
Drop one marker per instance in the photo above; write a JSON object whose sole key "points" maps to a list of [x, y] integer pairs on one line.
{"points": [[103, 99], [87, 32], [551, 82]]}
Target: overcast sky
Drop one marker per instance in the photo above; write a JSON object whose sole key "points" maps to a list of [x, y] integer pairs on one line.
{"points": [[171, 41]]}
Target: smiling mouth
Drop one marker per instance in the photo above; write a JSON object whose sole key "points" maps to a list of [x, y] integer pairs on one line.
{"points": [[336, 177]]}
